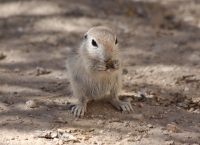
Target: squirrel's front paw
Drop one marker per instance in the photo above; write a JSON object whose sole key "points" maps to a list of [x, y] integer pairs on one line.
{"points": [[113, 64], [116, 64], [101, 66], [78, 110]]}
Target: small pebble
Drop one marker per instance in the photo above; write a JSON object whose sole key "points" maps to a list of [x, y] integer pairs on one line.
{"points": [[191, 110], [165, 132], [68, 137], [197, 111], [60, 142], [138, 116], [116, 120], [86, 137], [171, 142], [54, 134], [172, 128], [61, 120], [138, 138], [131, 134], [150, 126], [3, 122], [145, 135], [100, 122], [2, 56], [129, 139], [124, 71], [56, 139], [31, 104], [125, 124], [49, 103], [16, 70]]}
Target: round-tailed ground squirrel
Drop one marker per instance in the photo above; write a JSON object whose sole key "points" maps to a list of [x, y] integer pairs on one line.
{"points": [[94, 70]]}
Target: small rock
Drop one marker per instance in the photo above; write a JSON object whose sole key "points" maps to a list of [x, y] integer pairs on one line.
{"points": [[195, 100], [16, 70], [2, 56], [86, 137], [172, 128], [89, 129], [188, 19], [150, 126], [191, 110], [165, 132], [171, 142], [131, 134], [20, 29], [61, 120], [68, 137], [138, 116], [43, 134], [100, 122], [124, 71], [197, 111], [72, 130], [116, 120], [54, 134], [47, 115], [56, 139], [61, 131], [145, 135], [101, 131], [49, 103], [138, 138], [41, 71], [101, 116], [186, 89], [176, 22], [192, 105], [60, 142], [3, 122], [31, 104], [130, 139], [125, 124], [141, 105], [140, 11], [182, 105]]}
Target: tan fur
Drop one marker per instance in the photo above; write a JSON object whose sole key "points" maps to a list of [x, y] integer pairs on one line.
{"points": [[89, 77]]}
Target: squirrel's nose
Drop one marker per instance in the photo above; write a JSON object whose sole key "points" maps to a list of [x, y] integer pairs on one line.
{"points": [[107, 58]]}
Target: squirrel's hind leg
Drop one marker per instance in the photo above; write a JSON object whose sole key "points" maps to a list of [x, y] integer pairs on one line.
{"points": [[114, 98]]}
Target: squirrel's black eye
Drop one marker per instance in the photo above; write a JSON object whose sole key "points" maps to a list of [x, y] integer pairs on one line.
{"points": [[116, 41], [94, 43], [85, 36]]}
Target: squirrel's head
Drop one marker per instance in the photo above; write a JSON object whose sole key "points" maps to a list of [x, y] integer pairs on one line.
{"points": [[101, 43]]}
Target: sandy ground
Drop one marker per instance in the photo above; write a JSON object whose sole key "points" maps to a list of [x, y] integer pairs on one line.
{"points": [[159, 46]]}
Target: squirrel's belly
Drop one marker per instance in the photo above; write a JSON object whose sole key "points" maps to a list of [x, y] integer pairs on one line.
{"points": [[98, 90]]}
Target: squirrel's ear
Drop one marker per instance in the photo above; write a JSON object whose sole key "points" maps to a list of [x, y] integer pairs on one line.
{"points": [[85, 36]]}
